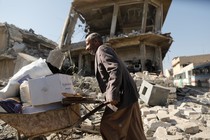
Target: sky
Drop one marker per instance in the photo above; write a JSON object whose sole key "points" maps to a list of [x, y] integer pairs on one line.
{"points": [[188, 21]]}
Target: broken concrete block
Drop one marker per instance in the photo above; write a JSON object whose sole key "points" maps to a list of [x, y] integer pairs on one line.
{"points": [[148, 132], [175, 137], [151, 116], [172, 94], [179, 120], [172, 107], [172, 130], [188, 127], [155, 109], [207, 95], [188, 112], [160, 133], [56, 58], [163, 116], [183, 106], [153, 94], [149, 122], [145, 111], [200, 96], [201, 109], [195, 117], [175, 113], [137, 80], [208, 123], [155, 125], [18, 47], [205, 135], [205, 101]]}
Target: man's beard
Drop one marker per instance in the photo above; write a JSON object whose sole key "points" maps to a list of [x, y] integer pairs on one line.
{"points": [[92, 52]]}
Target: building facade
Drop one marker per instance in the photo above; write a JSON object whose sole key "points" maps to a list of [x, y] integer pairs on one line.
{"points": [[133, 27], [178, 63], [191, 70]]}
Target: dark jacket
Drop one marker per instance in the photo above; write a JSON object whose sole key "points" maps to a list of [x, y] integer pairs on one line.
{"points": [[113, 77]]}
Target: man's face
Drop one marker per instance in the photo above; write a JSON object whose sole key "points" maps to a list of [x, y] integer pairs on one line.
{"points": [[91, 46]]}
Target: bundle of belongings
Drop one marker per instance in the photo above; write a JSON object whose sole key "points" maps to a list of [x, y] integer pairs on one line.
{"points": [[11, 105], [37, 86]]}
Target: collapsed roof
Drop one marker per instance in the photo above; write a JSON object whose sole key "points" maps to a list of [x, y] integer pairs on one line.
{"points": [[98, 17], [98, 13]]}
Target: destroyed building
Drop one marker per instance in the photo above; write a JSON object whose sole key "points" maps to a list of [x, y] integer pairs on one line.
{"points": [[133, 27], [180, 62], [191, 70], [19, 47]]}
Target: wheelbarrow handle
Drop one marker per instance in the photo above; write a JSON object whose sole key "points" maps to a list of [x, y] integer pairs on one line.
{"points": [[93, 111], [90, 113]]}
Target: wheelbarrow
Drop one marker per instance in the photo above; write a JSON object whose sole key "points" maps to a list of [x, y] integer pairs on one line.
{"points": [[39, 125]]}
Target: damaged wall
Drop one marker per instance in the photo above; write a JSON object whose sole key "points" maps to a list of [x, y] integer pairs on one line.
{"points": [[7, 68], [13, 41], [132, 27], [3, 37]]}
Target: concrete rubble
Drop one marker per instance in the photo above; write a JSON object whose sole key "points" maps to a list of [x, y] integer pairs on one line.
{"points": [[185, 115]]}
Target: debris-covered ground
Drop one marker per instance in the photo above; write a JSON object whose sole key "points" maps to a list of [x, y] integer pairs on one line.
{"points": [[185, 116]]}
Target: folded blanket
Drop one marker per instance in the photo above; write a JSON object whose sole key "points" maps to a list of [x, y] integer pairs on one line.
{"points": [[11, 106]]}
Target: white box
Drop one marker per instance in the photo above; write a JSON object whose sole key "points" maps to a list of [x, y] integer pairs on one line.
{"points": [[49, 89]]}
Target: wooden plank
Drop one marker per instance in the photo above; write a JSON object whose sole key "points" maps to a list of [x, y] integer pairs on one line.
{"points": [[71, 100]]}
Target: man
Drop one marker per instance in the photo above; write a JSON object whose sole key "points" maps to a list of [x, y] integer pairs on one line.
{"points": [[122, 117]]}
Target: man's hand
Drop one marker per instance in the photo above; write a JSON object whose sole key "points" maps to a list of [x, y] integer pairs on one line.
{"points": [[110, 100], [114, 102]]}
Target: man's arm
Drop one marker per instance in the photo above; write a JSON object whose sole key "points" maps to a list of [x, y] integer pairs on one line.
{"points": [[113, 68]]}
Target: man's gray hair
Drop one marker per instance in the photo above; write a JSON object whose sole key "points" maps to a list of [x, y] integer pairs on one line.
{"points": [[94, 36]]}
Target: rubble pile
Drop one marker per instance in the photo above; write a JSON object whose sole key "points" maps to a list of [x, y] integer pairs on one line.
{"points": [[184, 119], [6, 131], [185, 116], [18, 42]]}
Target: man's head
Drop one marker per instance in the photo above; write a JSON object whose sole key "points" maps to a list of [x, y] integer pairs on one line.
{"points": [[93, 41]]}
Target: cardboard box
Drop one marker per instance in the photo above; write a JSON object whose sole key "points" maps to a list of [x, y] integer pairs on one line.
{"points": [[48, 89]]}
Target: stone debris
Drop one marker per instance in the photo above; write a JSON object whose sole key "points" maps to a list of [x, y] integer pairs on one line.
{"points": [[185, 115]]}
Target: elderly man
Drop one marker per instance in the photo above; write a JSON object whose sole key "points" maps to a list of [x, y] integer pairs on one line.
{"points": [[122, 117]]}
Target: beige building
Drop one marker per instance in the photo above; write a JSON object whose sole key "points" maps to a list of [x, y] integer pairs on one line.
{"points": [[178, 63], [133, 27]]}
